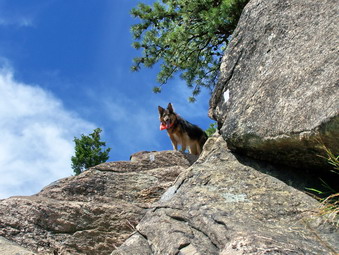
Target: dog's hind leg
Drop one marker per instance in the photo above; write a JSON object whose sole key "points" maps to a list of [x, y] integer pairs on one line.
{"points": [[183, 147], [194, 149], [198, 148]]}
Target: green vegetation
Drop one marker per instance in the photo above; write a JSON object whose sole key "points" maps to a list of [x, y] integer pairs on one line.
{"points": [[330, 196], [211, 130], [185, 36], [330, 205], [332, 160], [88, 152]]}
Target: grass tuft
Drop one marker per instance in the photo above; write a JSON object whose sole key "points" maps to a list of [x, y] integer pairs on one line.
{"points": [[330, 203]]}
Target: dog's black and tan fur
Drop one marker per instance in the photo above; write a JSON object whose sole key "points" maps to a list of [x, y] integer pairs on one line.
{"points": [[181, 131]]}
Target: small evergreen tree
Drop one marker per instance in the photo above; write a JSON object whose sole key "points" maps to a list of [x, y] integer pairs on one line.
{"points": [[211, 130], [185, 36], [88, 152]]}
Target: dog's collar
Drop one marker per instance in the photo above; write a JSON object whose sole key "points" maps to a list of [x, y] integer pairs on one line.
{"points": [[163, 126]]}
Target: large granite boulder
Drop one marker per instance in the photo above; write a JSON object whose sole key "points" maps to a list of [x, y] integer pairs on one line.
{"points": [[278, 95], [10, 248], [226, 204], [94, 212]]}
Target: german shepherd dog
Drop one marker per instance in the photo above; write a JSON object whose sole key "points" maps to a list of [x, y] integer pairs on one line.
{"points": [[181, 132]]}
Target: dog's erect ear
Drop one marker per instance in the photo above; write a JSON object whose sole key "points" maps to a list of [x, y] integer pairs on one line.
{"points": [[161, 110], [170, 108]]}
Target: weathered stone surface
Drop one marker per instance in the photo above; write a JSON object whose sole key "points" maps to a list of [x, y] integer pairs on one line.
{"points": [[91, 213], [149, 158], [10, 248], [223, 205], [280, 73]]}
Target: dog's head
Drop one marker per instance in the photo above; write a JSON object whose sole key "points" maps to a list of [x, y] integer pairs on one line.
{"points": [[167, 117]]}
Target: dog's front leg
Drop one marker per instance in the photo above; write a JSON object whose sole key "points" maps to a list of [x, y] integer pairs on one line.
{"points": [[175, 145], [174, 142]]}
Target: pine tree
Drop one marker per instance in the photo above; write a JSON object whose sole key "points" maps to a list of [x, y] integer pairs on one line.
{"points": [[185, 36], [88, 152], [211, 129]]}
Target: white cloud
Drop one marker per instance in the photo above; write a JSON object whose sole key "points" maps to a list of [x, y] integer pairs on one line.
{"points": [[18, 21], [135, 121], [36, 141], [23, 14]]}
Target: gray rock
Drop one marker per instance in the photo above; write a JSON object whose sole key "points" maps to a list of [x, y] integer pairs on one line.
{"points": [[223, 206], [139, 246], [91, 213], [10, 248], [278, 95]]}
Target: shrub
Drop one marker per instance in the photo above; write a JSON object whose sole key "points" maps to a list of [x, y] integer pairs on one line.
{"points": [[211, 130], [88, 152]]}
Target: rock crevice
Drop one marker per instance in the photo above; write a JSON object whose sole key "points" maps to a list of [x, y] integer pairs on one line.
{"points": [[239, 211]]}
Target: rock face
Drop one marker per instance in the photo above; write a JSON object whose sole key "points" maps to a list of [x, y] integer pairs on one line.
{"points": [[10, 248], [223, 205], [277, 98], [93, 212], [279, 75]]}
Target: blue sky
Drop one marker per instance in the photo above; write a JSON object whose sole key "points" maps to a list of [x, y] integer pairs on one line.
{"points": [[65, 70]]}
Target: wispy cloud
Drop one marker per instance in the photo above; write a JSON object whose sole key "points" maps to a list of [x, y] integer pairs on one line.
{"points": [[135, 122], [17, 21], [21, 14], [36, 141], [179, 94]]}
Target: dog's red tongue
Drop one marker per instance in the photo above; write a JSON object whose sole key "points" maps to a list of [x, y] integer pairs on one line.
{"points": [[163, 126]]}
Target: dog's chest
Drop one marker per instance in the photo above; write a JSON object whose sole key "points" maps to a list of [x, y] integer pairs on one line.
{"points": [[179, 137], [175, 136]]}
